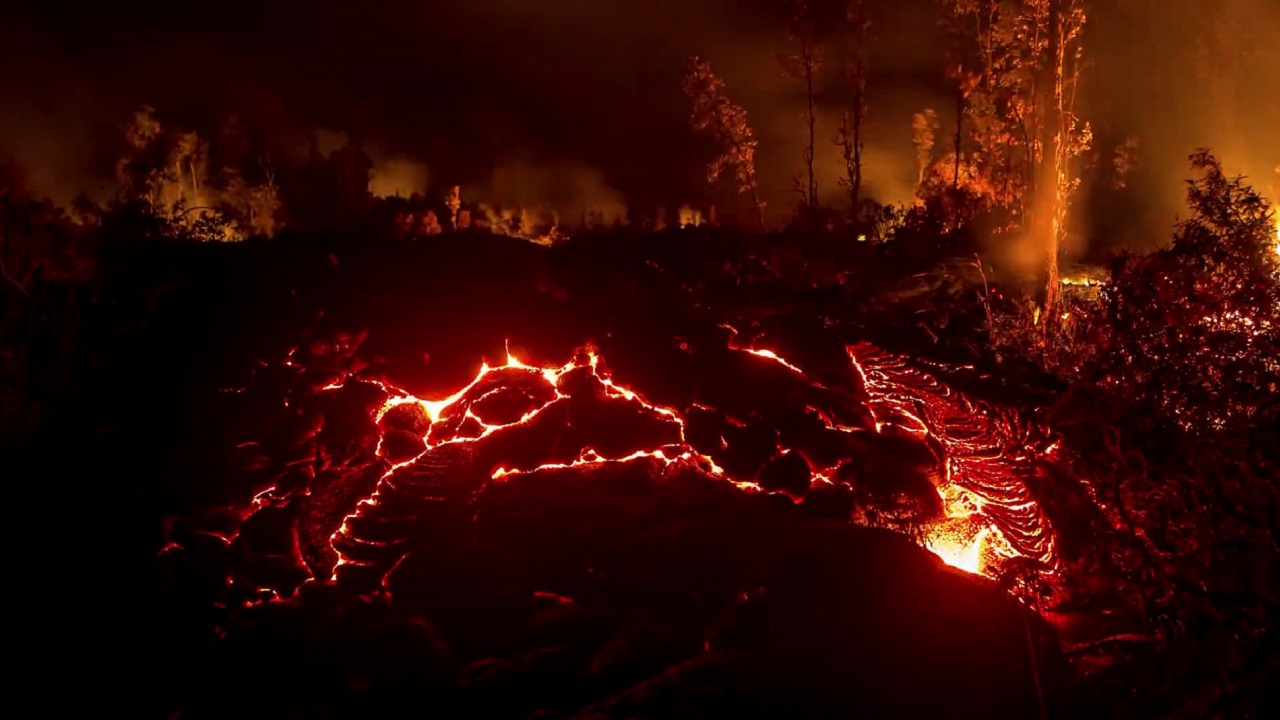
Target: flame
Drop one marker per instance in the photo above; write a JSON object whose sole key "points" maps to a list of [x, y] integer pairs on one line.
{"points": [[959, 553], [689, 216], [1081, 280]]}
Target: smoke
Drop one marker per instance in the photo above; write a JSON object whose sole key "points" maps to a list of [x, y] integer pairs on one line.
{"points": [[906, 63], [51, 161], [1179, 75], [596, 88], [329, 141], [53, 137], [573, 192], [398, 176], [603, 93]]}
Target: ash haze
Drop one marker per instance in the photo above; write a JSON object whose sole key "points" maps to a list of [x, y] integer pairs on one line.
{"points": [[588, 94]]}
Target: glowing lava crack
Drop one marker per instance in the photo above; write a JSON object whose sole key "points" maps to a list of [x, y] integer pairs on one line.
{"points": [[514, 418]]}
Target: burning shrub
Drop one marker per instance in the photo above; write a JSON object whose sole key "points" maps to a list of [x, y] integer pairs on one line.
{"points": [[1180, 471], [957, 195], [1195, 329]]}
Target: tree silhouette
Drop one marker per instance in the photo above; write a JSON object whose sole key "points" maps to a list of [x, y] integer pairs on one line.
{"points": [[803, 66], [716, 115], [856, 70], [924, 134]]}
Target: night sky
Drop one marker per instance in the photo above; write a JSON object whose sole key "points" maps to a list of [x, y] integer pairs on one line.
{"points": [[472, 92]]}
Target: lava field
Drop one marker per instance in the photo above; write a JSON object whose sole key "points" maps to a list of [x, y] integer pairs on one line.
{"points": [[488, 479]]}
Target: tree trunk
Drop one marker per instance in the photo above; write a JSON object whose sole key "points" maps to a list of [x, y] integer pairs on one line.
{"points": [[755, 200], [1049, 206], [855, 189], [755, 190], [1008, 172], [988, 78], [859, 116], [808, 81], [856, 15], [955, 183], [4, 224]]}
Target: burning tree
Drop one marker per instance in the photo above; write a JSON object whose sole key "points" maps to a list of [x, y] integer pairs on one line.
{"points": [[803, 66], [1277, 196], [162, 173], [966, 80], [194, 187], [850, 138], [1017, 65], [1063, 136], [453, 201], [924, 134], [993, 54], [715, 114], [246, 179]]}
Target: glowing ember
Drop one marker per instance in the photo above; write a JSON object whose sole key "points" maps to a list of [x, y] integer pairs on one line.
{"points": [[1082, 281]]}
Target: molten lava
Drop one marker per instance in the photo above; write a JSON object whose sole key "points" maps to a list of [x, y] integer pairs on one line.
{"points": [[986, 456], [957, 548]]}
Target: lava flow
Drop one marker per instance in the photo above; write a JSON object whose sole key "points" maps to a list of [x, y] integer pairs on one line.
{"points": [[984, 451], [397, 473]]}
